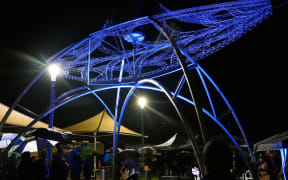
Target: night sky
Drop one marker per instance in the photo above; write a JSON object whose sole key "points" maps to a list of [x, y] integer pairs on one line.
{"points": [[251, 72]]}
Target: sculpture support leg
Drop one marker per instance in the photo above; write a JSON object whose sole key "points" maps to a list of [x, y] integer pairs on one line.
{"points": [[185, 72]]}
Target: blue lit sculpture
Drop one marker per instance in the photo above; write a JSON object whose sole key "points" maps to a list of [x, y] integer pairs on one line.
{"points": [[135, 53]]}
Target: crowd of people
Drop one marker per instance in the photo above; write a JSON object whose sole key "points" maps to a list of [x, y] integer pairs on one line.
{"points": [[41, 167], [219, 162], [175, 163]]}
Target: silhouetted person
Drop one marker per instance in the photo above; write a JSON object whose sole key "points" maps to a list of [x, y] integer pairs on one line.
{"points": [[12, 167], [132, 168], [217, 158], [42, 166], [263, 169], [59, 168], [26, 168], [75, 162], [88, 167], [59, 152]]}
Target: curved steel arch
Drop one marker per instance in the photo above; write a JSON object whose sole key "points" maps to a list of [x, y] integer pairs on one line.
{"points": [[187, 128], [222, 24], [63, 99]]}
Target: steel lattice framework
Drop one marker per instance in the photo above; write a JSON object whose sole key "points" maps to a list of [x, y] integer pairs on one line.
{"points": [[135, 53], [207, 29]]}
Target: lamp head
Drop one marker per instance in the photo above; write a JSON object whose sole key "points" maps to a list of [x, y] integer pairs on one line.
{"points": [[142, 102], [54, 70]]}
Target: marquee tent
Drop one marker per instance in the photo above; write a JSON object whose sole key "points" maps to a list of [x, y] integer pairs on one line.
{"points": [[277, 142], [102, 122], [20, 119]]}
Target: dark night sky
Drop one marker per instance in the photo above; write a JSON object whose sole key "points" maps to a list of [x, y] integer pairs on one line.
{"points": [[251, 72]]}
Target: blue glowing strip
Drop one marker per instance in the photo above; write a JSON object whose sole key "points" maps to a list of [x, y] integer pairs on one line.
{"points": [[232, 111], [69, 50], [7, 114], [118, 90], [65, 95], [283, 152], [104, 104], [55, 55], [207, 92], [88, 68], [126, 57], [129, 86], [114, 47], [202, 80], [225, 130]]}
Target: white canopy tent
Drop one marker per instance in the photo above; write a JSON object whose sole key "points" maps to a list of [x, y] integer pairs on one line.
{"points": [[277, 142]]}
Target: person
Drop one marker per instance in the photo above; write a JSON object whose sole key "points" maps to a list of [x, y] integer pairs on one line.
{"points": [[59, 151], [132, 167], [262, 167], [217, 158], [42, 166], [75, 162], [147, 166], [88, 167], [12, 167], [59, 168], [26, 168]]}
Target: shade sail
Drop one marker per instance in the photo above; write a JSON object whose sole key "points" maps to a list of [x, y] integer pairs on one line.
{"points": [[102, 122], [276, 142], [20, 119], [169, 142]]}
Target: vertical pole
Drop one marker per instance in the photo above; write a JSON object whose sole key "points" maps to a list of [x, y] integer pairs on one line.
{"points": [[88, 68], [51, 115], [116, 130], [142, 125], [94, 157], [52, 99]]}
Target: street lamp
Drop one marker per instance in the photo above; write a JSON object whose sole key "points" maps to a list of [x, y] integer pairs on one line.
{"points": [[54, 70], [142, 103]]}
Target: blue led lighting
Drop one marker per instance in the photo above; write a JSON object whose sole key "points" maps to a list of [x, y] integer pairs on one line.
{"points": [[149, 54], [134, 37], [207, 29]]}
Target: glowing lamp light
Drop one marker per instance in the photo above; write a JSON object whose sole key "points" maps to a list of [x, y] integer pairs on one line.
{"points": [[142, 102], [54, 70], [134, 37]]}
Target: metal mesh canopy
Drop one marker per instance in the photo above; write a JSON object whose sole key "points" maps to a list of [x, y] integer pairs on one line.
{"points": [[135, 49]]}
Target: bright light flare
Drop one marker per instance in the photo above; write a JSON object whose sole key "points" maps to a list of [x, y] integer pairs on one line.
{"points": [[54, 70], [142, 102]]}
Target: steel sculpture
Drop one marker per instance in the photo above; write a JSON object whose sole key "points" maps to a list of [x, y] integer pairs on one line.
{"points": [[135, 52]]}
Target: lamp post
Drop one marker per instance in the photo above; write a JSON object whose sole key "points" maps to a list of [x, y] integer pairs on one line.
{"points": [[54, 70], [142, 103]]}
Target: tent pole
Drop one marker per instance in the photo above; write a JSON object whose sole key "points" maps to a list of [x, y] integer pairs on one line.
{"points": [[95, 144]]}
